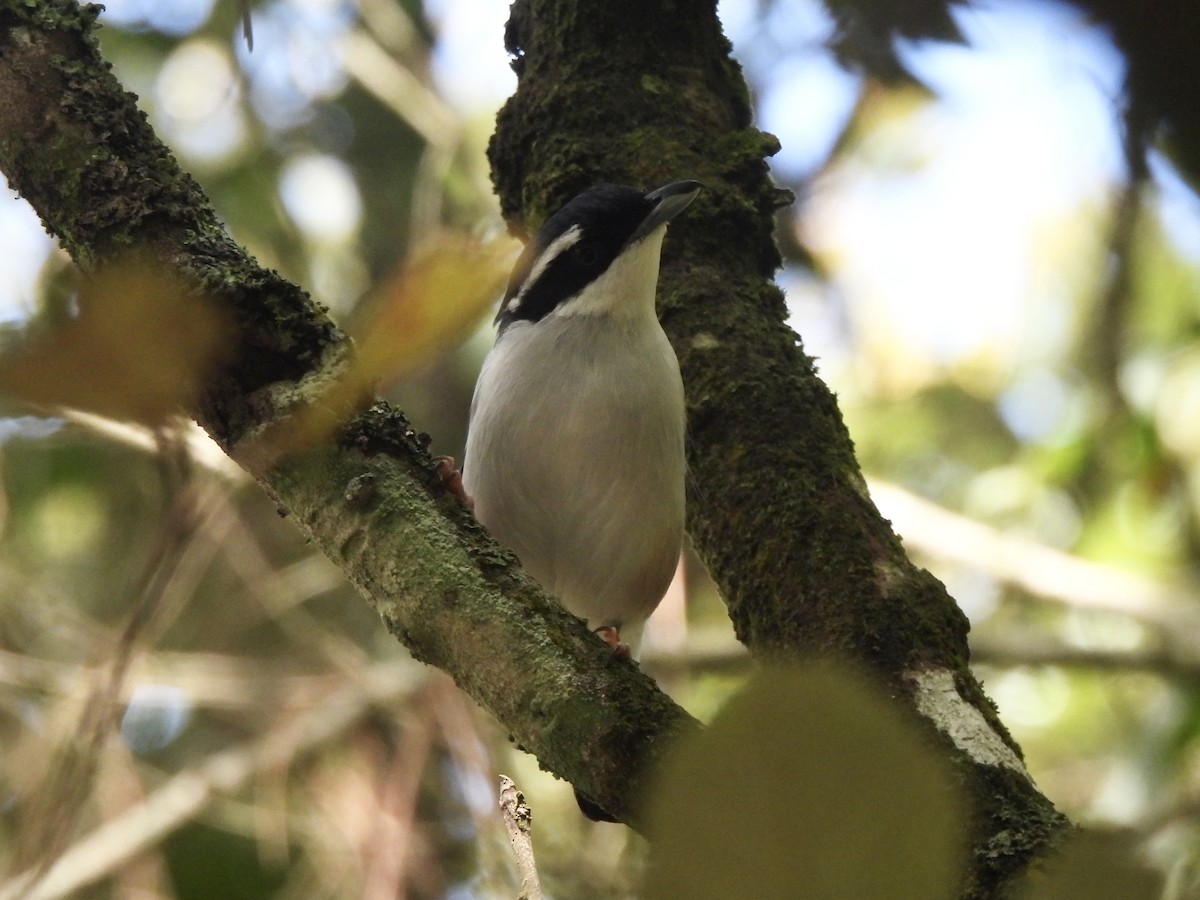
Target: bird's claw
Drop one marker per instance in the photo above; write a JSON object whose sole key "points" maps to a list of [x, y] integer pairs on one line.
{"points": [[452, 480], [611, 635]]}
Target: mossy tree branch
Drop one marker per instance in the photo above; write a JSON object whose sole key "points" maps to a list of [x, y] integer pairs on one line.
{"points": [[75, 145]]}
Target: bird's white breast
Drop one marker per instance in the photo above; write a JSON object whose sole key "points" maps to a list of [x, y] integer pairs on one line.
{"points": [[575, 457]]}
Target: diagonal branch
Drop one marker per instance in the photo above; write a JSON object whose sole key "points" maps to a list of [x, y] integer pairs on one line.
{"points": [[74, 144]]}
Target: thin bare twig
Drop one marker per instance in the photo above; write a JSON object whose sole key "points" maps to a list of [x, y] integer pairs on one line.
{"points": [[518, 819]]}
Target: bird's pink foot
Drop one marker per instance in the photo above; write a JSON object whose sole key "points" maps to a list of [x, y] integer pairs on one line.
{"points": [[452, 480], [611, 635]]}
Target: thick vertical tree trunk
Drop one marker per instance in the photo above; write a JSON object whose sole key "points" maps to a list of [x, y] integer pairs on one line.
{"points": [[644, 91]]}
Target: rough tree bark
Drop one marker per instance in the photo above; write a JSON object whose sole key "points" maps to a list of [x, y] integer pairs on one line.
{"points": [[637, 91]]}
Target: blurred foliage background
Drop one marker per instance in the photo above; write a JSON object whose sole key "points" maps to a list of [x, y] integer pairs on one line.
{"points": [[1002, 290]]}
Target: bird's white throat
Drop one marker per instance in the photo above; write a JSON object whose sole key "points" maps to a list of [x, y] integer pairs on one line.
{"points": [[626, 288]]}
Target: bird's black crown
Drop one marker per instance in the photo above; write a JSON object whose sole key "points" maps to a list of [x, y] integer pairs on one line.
{"points": [[592, 229]]}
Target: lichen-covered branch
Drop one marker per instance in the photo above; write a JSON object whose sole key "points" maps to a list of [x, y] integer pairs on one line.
{"points": [[75, 145], [781, 513]]}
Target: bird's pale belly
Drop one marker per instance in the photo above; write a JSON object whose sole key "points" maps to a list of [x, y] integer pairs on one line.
{"points": [[585, 482]]}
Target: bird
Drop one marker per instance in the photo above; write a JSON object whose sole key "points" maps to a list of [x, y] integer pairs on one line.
{"points": [[574, 455]]}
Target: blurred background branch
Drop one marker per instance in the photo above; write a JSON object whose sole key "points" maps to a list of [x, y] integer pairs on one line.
{"points": [[184, 796]]}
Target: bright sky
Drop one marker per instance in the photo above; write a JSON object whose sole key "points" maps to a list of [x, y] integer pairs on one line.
{"points": [[956, 237]]}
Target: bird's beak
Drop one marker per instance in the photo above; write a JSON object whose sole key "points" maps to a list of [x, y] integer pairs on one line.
{"points": [[669, 201]]}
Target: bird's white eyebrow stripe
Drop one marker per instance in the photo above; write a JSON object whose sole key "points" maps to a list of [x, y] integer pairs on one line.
{"points": [[564, 241]]}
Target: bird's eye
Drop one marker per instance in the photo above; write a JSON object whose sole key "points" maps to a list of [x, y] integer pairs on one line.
{"points": [[587, 254]]}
